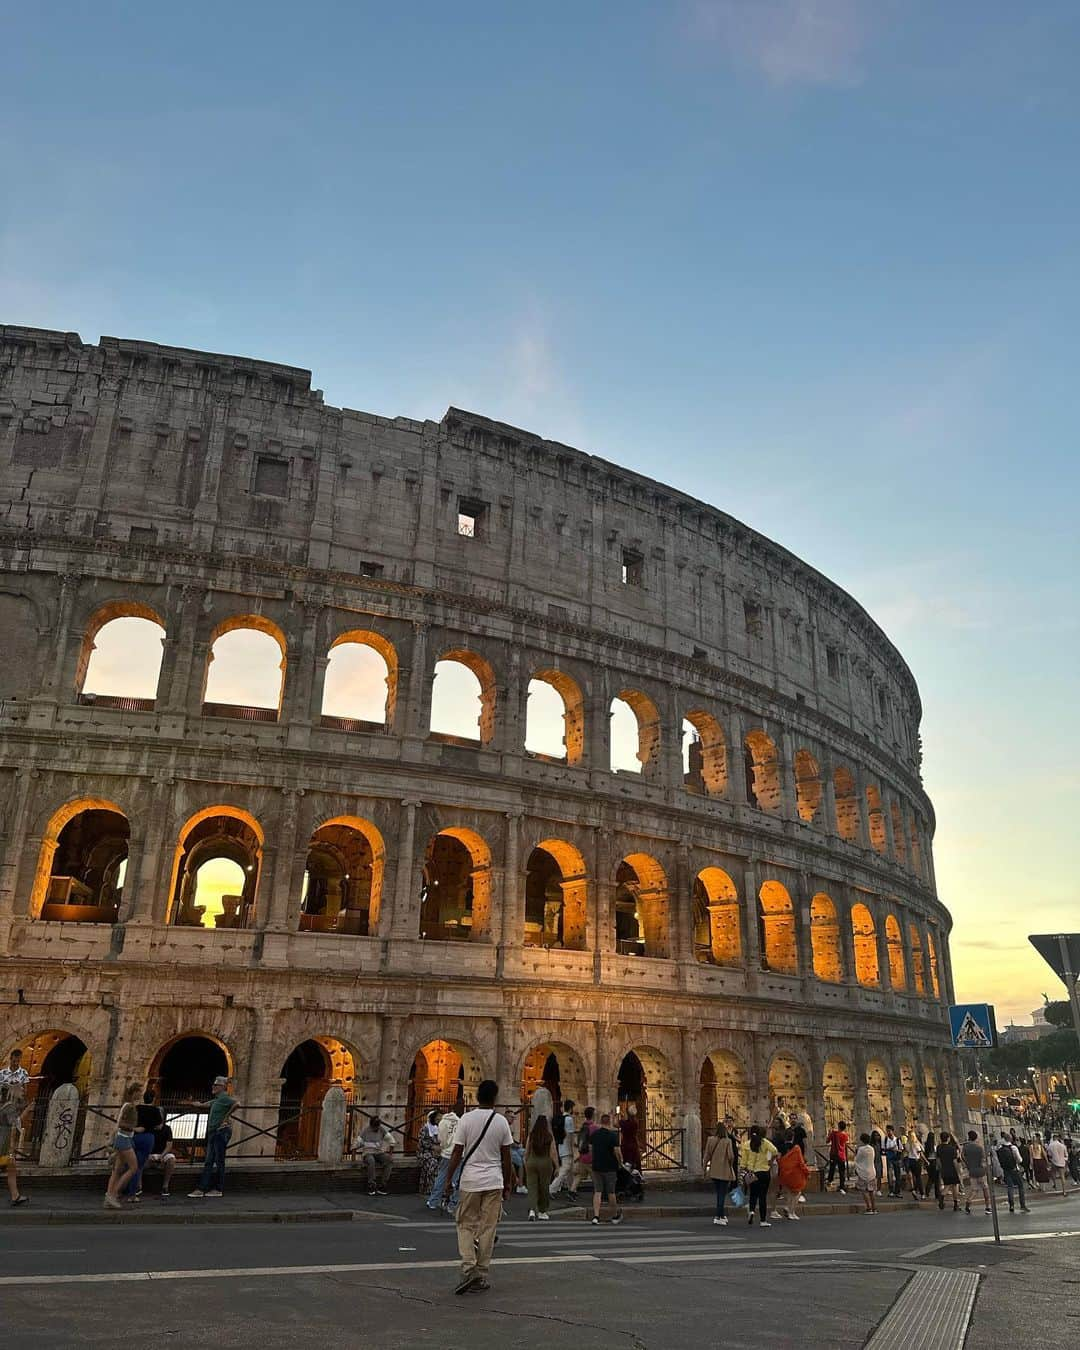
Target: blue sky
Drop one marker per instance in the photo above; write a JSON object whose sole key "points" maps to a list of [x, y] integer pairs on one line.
{"points": [[815, 261]]}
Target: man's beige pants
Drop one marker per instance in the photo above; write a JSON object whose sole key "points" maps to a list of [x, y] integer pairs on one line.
{"points": [[477, 1216]]}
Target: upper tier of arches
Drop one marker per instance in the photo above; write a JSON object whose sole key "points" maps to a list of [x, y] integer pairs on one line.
{"points": [[559, 713]]}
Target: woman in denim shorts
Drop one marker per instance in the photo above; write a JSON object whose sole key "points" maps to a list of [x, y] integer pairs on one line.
{"points": [[124, 1162]]}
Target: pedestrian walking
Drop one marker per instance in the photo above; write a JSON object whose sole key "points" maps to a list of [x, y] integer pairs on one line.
{"points": [[948, 1153], [975, 1163], [718, 1164], [1024, 1145], [219, 1110], [124, 1163], [629, 1139], [1057, 1156], [913, 1161], [148, 1119], [866, 1173], [756, 1159], [541, 1164], [933, 1170], [427, 1152], [606, 1160], [879, 1158], [1040, 1166], [837, 1143], [482, 1153], [13, 1105], [583, 1167], [436, 1200], [564, 1134], [793, 1175], [893, 1151], [1012, 1170]]}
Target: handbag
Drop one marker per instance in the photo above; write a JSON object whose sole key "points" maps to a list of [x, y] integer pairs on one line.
{"points": [[737, 1197]]}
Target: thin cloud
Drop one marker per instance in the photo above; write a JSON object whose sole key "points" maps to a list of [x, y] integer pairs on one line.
{"points": [[786, 42]]}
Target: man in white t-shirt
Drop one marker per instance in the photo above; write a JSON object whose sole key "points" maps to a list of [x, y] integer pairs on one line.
{"points": [[482, 1151], [1057, 1155], [565, 1174]]}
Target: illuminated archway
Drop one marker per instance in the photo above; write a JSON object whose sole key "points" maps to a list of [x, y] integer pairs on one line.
{"points": [[895, 945], [704, 754], [847, 804], [51, 1058], [455, 896], [909, 1093], [825, 940], [645, 1081], [558, 1067], [555, 717], [917, 967], [184, 1069], [120, 658], [807, 785], [463, 698], [216, 869], [342, 886], [360, 687], [82, 863], [444, 1075], [762, 767], [307, 1075], [556, 896], [931, 951], [864, 939], [641, 907], [635, 732], [724, 1090], [839, 1091], [878, 1094], [776, 921], [876, 818], [717, 937], [787, 1084], [245, 669]]}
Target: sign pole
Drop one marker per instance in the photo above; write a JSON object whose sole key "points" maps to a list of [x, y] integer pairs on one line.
{"points": [[1069, 976], [986, 1149]]}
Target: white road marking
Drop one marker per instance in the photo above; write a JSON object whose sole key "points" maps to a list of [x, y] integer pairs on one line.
{"points": [[760, 1254], [932, 1312], [932, 1247]]}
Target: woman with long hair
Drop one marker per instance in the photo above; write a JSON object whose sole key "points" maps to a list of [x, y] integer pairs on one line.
{"points": [[756, 1159], [719, 1167], [948, 1155], [124, 1162], [541, 1164], [933, 1170], [427, 1150]]}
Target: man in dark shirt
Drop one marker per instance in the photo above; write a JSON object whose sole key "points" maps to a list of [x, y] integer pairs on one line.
{"points": [[606, 1161]]}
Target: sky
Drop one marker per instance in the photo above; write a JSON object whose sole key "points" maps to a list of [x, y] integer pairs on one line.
{"points": [[814, 261]]}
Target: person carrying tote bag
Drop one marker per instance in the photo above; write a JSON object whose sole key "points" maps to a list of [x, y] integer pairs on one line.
{"points": [[719, 1163]]}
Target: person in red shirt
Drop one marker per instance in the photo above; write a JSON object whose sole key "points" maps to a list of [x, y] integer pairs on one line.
{"points": [[837, 1141]]}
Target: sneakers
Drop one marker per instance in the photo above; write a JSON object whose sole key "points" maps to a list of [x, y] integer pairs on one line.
{"points": [[987, 1210], [379, 1191], [617, 1219], [478, 1286], [1023, 1208], [840, 1190], [21, 1200], [465, 1284], [776, 1214], [595, 1220], [720, 1223], [213, 1195], [543, 1216], [765, 1223], [793, 1217], [164, 1196], [196, 1195], [520, 1190], [532, 1215], [111, 1203]]}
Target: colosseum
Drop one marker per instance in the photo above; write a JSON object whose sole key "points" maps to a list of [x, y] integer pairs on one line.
{"points": [[710, 891]]}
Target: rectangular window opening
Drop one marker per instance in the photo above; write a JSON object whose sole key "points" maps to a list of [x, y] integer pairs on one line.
{"points": [[370, 569], [471, 515], [633, 568], [753, 616], [832, 662], [271, 476]]}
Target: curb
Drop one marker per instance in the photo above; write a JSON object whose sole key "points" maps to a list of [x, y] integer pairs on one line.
{"points": [[31, 1216]]}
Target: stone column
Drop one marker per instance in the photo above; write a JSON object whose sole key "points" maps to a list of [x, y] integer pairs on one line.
{"points": [[26, 776], [402, 919], [58, 1139], [860, 801], [847, 936], [280, 906], [816, 1087], [786, 768], [602, 903], [332, 1126], [508, 920], [828, 802], [413, 713], [174, 682], [751, 929], [671, 743], [879, 911], [60, 682], [259, 1088], [804, 933], [680, 908], [391, 1091], [862, 1096], [691, 1106]]}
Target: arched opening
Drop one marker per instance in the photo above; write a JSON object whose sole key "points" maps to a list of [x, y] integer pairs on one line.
{"points": [[776, 920], [931, 951], [910, 1095], [807, 785], [82, 865], [311, 1070], [463, 698], [216, 870], [641, 907], [443, 1076], [51, 1058], [918, 973], [556, 893], [555, 717], [825, 940], [245, 669], [558, 1068], [717, 937], [879, 1095], [787, 1084], [184, 1070], [635, 732], [876, 818], [864, 939], [342, 883], [933, 1099], [847, 804], [120, 660], [360, 685], [724, 1090], [899, 844], [839, 1091], [704, 754], [455, 895], [894, 943], [645, 1081], [762, 766]]}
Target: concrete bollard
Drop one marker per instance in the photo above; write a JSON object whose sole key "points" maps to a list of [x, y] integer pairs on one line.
{"points": [[58, 1141], [332, 1127]]}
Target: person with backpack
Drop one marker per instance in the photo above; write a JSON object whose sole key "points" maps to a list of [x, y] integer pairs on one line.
{"points": [[481, 1162], [562, 1129], [583, 1169], [1012, 1170], [837, 1142]]}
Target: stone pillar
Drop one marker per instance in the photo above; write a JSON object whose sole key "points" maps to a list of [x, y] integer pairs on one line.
{"points": [[760, 1105], [413, 713], [402, 920], [145, 856], [59, 688], [671, 743], [860, 802], [318, 687], [879, 912], [179, 651], [259, 1088], [786, 769], [680, 908], [509, 919], [862, 1096], [281, 896], [26, 777], [847, 936], [691, 1106], [58, 1140], [828, 802], [804, 933], [816, 1087], [332, 1126], [752, 931], [392, 1093]]}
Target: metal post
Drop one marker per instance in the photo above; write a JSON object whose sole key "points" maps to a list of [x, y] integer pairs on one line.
{"points": [[1069, 976], [986, 1150]]}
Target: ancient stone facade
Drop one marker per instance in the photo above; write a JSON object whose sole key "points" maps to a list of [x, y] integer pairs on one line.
{"points": [[754, 923]]}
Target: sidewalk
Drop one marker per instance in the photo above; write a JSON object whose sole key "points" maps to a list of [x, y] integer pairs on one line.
{"points": [[340, 1199]]}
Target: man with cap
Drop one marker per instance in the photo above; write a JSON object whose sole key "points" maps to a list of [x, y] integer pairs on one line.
{"points": [[218, 1110]]}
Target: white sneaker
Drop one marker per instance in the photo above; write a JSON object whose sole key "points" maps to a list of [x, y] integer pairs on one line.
{"points": [[765, 1223], [721, 1222], [522, 1190], [543, 1216], [213, 1195], [196, 1195], [841, 1191], [793, 1217], [776, 1214], [802, 1199], [532, 1215]]}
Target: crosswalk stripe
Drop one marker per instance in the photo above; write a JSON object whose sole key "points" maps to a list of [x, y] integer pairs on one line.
{"points": [[729, 1255]]}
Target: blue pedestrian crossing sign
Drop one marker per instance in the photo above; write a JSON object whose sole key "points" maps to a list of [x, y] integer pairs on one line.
{"points": [[973, 1026]]}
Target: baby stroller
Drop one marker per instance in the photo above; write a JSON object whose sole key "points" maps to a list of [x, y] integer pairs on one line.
{"points": [[629, 1184]]}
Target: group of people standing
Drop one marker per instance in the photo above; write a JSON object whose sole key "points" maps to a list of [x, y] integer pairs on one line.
{"points": [[754, 1168]]}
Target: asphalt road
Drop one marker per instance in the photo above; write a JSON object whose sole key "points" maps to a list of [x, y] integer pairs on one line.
{"points": [[652, 1284]]}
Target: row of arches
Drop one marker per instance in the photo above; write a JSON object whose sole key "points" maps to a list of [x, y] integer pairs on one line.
{"points": [[218, 858], [245, 672], [444, 1073]]}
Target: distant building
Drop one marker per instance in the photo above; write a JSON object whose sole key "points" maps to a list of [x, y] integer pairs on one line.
{"points": [[1014, 1033]]}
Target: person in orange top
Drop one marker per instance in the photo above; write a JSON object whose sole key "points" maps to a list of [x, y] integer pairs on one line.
{"points": [[793, 1174]]}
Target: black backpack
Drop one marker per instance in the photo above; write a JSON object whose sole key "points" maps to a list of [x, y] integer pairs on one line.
{"points": [[1007, 1158], [558, 1127]]}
